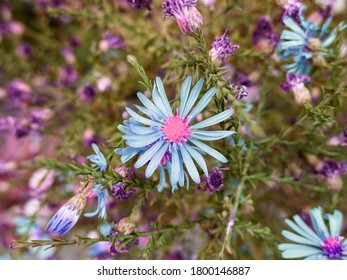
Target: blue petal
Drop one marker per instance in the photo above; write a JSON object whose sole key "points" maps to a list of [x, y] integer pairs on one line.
{"points": [[159, 102], [191, 168], [318, 223], [294, 26], [197, 157], [202, 103], [136, 129], [161, 184], [297, 238], [212, 135], [290, 35], [141, 119], [136, 141], [145, 101], [163, 96], [175, 167], [291, 246], [192, 98], [214, 120], [300, 253], [185, 93], [153, 164], [145, 157], [335, 223], [209, 150], [311, 236], [307, 229], [330, 39]]}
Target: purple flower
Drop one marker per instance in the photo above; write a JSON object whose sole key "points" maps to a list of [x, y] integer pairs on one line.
{"points": [[87, 93], [332, 172], [140, 4], [68, 55], [291, 8], [38, 118], [68, 76], [6, 123], [221, 49], [332, 169], [110, 41], [21, 130], [240, 91], [188, 18], [25, 50], [293, 81], [263, 31], [19, 92], [344, 137], [214, 181], [89, 137], [119, 191]]}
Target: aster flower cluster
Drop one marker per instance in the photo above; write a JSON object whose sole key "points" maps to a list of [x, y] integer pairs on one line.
{"points": [[306, 42]]}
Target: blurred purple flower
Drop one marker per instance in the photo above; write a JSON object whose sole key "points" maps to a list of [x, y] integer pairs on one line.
{"points": [[39, 117], [293, 81], [87, 93], [21, 130], [110, 41], [68, 76], [19, 92], [25, 50], [263, 31], [6, 123]]}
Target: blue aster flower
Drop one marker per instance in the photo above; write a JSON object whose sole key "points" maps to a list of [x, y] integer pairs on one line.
{"points": [[169, 142], [103, 196], [317, 243], [98, 159], [306, 41]]}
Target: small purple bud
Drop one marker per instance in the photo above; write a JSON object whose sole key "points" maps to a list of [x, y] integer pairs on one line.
{"points": [[119, 191], [87, 93]]}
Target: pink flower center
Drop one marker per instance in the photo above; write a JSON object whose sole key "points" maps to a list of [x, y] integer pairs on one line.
{"points": [[176, 129], [332, 247]]}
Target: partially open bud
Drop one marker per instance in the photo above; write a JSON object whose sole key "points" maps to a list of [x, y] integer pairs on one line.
{"points": [[187, 16], [126, 225], [319, 60]]}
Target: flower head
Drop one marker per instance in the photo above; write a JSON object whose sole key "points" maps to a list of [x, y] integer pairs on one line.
{"points": [[102, 199], [317, 243], [68, 215], [214, 181], [119, 191], [168, 141], [98, 159], [291, 8], [221, 49], [68, 76], [87, 93], [110, 41], [332, 171], [295, 83], [264, 32], [19, 92], [306, 42], [185, 13]]}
